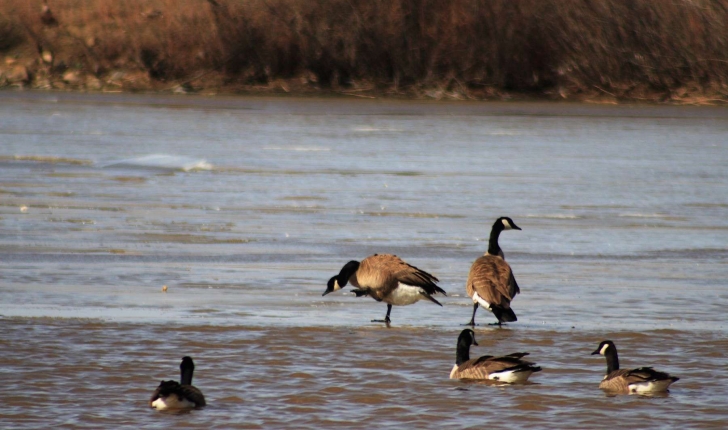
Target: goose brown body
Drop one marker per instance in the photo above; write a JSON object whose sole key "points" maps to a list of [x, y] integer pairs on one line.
{"points": [[485, 367], [387, 278], [509, 368], [629, 381], [381, 274], [492, 279], [186, 395]]}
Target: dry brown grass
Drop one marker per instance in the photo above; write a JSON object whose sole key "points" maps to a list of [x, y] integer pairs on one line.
{"points": [[629, 49]]}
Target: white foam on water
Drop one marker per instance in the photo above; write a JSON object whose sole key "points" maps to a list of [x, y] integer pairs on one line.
{"points": [[375, 129], [296, 148]]}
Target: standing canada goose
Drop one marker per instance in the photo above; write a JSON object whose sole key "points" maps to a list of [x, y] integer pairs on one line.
{"points": [[643, 380], [182, 395], [508, 368], [386, 278], [491, 282]]}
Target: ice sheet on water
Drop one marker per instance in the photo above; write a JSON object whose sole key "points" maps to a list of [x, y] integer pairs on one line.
{"points": [[163, 162]]}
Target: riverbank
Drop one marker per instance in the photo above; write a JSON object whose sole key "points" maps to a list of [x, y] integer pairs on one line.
{"points": [[599, 51]]}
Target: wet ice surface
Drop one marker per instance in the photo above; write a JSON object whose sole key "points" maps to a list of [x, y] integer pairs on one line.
{"points": [[245, 207]]}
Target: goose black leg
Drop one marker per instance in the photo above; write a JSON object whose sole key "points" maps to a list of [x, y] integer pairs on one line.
{"points": [[472, 320], [386, 319]]}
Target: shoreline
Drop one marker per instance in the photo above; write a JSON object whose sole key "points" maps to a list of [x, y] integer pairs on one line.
{"points": [[282, 89]]}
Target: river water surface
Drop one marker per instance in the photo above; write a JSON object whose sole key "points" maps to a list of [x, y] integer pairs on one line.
{"points": [[245, 207]]}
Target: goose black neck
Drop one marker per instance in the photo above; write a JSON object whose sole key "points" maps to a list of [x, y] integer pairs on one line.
{"points": [[493, 248], [186, 369], [346, 272], [462, 352], [612, 359]]}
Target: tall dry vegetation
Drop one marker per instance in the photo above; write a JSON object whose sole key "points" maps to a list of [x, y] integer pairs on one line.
{"points": [[627, 48]]}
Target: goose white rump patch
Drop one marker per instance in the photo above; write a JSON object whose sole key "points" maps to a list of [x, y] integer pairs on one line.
{"points": [[478, 299], [511, 376], [650, 387], [405, 295], [172, 402]]}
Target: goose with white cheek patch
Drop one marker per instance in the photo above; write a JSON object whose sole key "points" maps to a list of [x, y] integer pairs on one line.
{"points": [[508, 368], [182, 395], [491, 283], [643, 380], [386, 278]]}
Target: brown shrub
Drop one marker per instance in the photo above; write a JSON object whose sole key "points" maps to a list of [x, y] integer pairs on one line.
{"points": [[11, 35], [516, 45]]}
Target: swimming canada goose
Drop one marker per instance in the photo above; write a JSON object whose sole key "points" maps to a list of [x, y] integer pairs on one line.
{"points": [[508, 368], [182, 395], [386, 278], [491, 282], [643, 380]]}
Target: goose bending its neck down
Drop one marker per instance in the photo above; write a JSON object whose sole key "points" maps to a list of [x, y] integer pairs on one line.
{"points": [[491, 283], [508, 368], [182, 395], [386, 278], [643, 380]]}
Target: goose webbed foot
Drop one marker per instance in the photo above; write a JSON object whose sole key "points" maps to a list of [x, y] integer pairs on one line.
{"points": [[472, 319], [386, 319], [499, 324]]}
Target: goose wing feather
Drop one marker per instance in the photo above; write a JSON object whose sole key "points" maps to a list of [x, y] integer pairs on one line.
{"points": [[491, 277], [385, 271], [480, 368]]}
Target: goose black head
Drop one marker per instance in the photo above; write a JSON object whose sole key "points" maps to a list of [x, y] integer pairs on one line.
{"points": [[603, 347], [332, 286], [462, 350], [187, 363], [506, 224], [467, 337], [609, 351], [339, 281]]}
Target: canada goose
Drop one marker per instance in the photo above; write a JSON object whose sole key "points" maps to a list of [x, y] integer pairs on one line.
{"points": [[508, 368], [182, 395], [643, 380], [491, 282], [386, 278]]}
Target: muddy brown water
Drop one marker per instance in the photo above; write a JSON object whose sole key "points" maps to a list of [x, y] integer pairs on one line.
{"points": [[244, 208]]}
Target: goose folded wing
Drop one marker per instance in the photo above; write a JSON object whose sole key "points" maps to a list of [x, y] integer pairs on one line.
{"points": [[490, 277], [513, 286], [164, 389], [192, 394], [645, 374], [411, 275], [506, 362]]}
